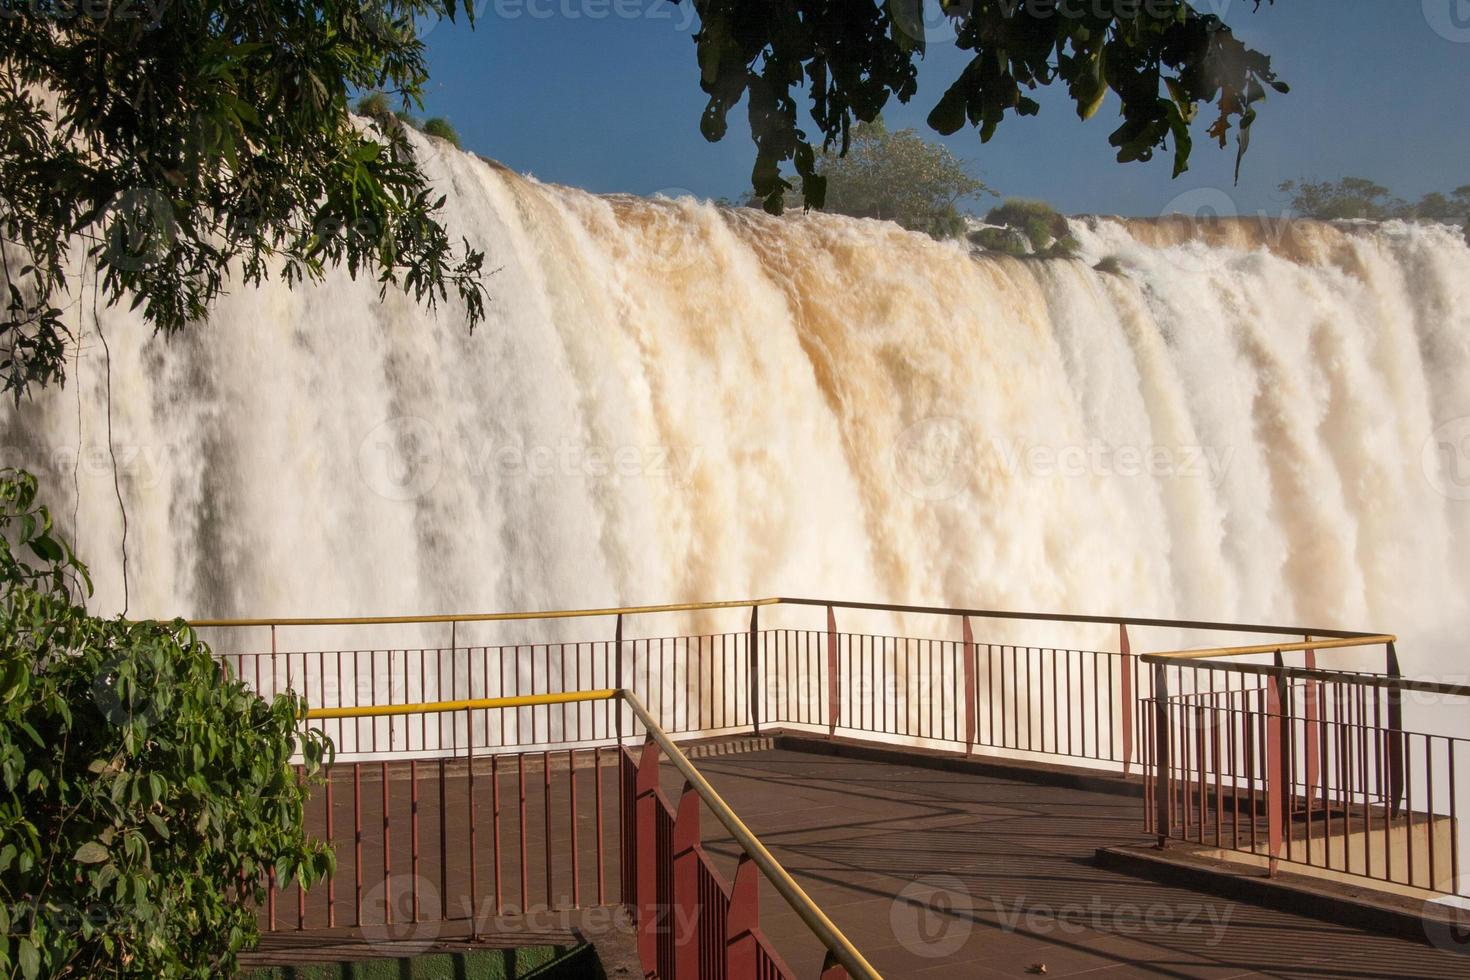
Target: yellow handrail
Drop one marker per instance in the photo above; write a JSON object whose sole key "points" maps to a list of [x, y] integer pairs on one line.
{"points": [[1210, 653], [473, 704], [801, 903]]}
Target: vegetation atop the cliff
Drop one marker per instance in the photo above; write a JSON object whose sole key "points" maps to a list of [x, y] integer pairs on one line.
{"points": [[375, 106], [1361, 198], [897, 176], [1025, 227]]}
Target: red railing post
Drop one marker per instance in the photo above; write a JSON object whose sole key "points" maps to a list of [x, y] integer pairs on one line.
{"points": [[1162, 763], [1125, 664], [627, 828], [684, 917], [753, 670], [833, 970], [618, 680], [646, 837], [1312, 729], [742, 921], [970, 693], [1278, 791], [1395, 735], [469, 722], [834, 686]]}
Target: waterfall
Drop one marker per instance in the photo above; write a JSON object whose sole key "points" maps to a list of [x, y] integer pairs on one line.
{"points": [[672, 401]]}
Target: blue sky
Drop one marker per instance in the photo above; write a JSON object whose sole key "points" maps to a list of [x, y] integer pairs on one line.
{"points": [[604, 94]]}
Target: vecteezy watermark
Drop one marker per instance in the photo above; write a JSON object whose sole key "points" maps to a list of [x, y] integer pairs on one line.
{"points": [[125, 690], [1097, 458], [1204, 209], [938, 20], [401, 458], [404, 458], [1447, 920], [933, 459], [144, 467], [1445, 458], [669, 249], [1450, 19], [403, 914], [938, 457], [681, 16], [149, 11], [1205, 920], [933, 916], [138, 229], [930, 21]]}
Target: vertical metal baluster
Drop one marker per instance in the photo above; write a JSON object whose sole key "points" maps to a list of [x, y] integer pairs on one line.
{"points": [[470, 794], [413, 833], [387, 850], [572, 821]]}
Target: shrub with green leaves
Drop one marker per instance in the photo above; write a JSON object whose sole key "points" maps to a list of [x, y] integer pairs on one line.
{"points": [[442, 128], [1026, 228], [144, 793]]}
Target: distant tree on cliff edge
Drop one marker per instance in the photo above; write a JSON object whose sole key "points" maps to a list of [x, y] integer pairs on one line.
{"points": [[184, 141], [900, 177], [1358, 197]]}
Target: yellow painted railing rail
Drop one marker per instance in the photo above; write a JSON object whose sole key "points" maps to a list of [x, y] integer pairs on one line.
{"points": [[473, 704], [1210, 653]]}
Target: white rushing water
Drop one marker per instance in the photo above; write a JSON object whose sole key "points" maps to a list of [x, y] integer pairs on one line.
{"points": [[671, 402]]}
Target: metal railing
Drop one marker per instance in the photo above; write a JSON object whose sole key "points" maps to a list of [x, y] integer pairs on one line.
{"points": [[690, 922], [1306, 766], [1063, 702], [1076, 703]]}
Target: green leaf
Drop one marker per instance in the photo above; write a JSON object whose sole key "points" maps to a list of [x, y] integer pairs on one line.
{"points": [[30, 959], [92, 852], [158, 825]]}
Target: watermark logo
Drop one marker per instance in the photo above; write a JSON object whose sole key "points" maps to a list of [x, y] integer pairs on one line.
{"points": [[393, 905], [681, 16], [404, 458], [1206, 209], [669, 244], [1446, 458], [1097, 458], [930, 21], [138, 229], [98, 11], [1447, 920], [1206, 922], [145, 467], [933, 916], [933, 458], [401, 458], [1450, 19], [125, 696]]}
